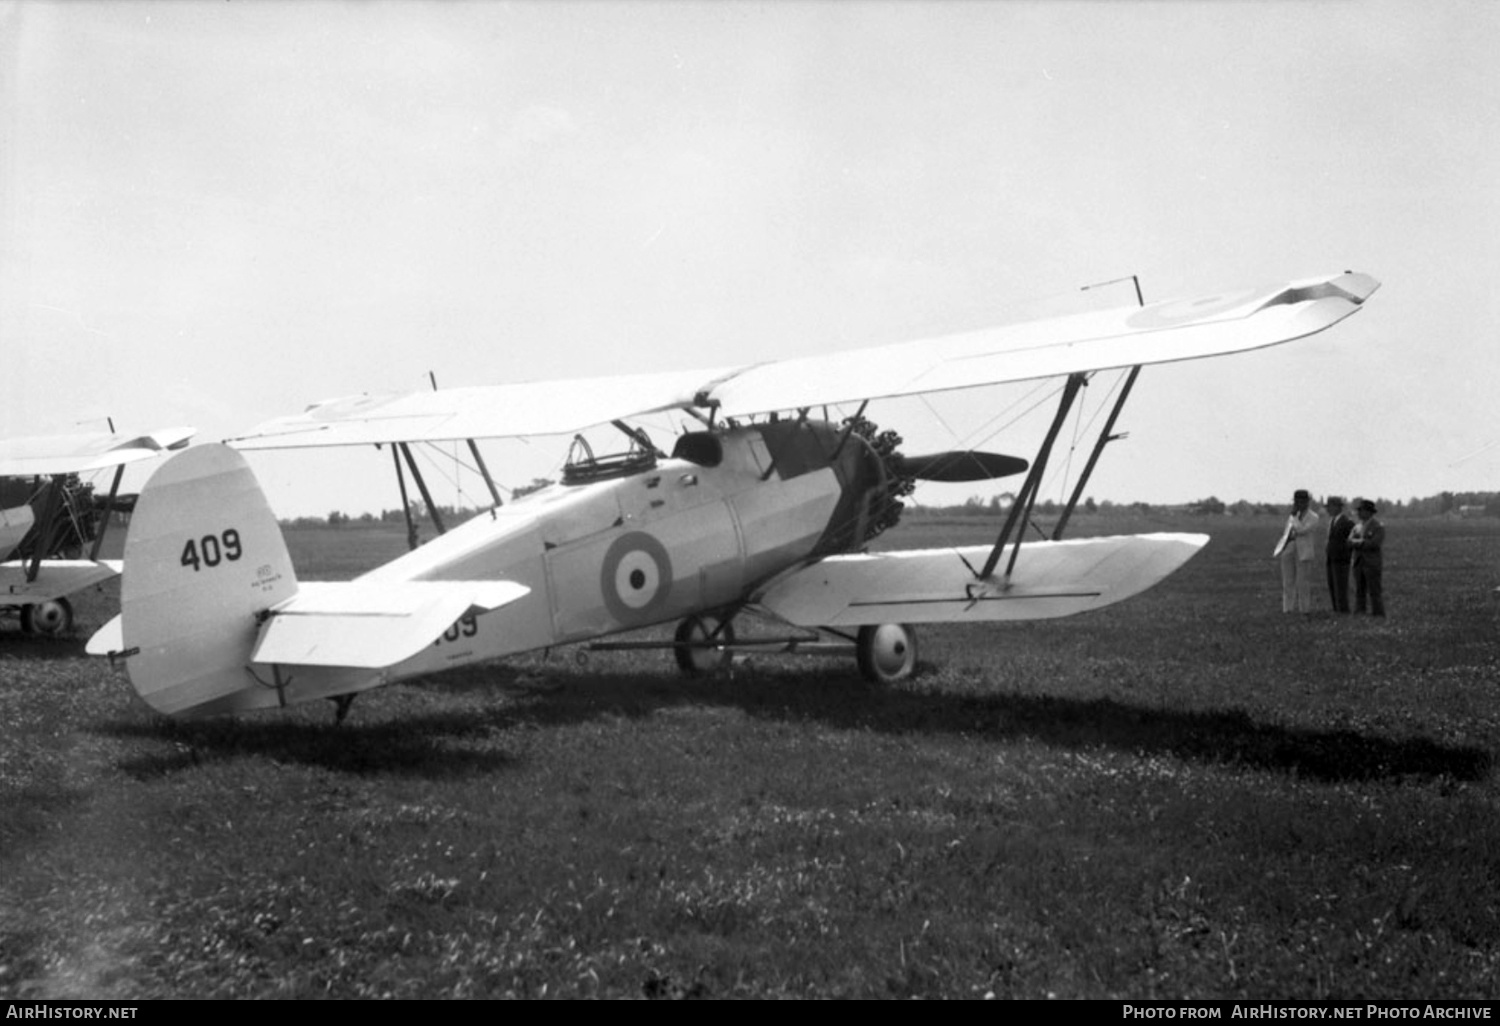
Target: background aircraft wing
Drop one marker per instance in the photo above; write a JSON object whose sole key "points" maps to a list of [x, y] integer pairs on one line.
{"points": [[56, 578], [1160, 333], [49, 455]]}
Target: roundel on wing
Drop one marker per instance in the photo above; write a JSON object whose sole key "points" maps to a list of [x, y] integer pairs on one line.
{"points": [[1164, 315], [636, 578]]}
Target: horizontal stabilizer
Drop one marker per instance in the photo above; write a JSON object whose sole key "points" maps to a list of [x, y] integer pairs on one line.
{"points": [[1051, 579], [55, 578], [370, 625]]}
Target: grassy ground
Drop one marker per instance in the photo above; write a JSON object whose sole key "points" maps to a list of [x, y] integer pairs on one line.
{"points": [[1189, 794]]}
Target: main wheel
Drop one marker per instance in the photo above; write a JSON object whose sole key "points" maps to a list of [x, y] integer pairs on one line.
{"points": [[887, 652], [52, 618], [693, 659]]}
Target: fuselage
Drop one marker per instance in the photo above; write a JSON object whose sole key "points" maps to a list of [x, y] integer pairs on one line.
{"points": [[620, 545]]}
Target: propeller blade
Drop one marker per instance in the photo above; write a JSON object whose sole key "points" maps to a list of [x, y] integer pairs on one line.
{"points": [[965, 465]]}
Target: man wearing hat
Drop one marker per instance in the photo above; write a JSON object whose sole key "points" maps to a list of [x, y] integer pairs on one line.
{"points": [[1366, 541], [1340, 523]]}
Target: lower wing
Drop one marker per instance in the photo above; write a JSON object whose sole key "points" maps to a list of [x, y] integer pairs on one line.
{"points": [[1051, 579]]}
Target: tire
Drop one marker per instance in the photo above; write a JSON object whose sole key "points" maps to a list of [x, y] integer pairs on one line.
{"points": [[696, 661], [886, 652], [52, 618]]}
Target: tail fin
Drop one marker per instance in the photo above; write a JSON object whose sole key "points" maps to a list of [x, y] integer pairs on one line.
{"points": [[204, 560]]}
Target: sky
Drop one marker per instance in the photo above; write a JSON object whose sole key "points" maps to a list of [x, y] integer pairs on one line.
{"points": [[215, 213]]}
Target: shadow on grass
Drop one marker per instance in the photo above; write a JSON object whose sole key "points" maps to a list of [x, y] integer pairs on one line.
{"points": [[17, 644], [431, 744], [427, 746], [1230, 737]]}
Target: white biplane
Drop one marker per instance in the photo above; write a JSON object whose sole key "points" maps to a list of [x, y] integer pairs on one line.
{"points": [[760, 507], [50, 536]]}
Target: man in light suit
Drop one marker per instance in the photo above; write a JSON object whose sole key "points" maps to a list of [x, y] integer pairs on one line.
{"points": [[1295, 551]]}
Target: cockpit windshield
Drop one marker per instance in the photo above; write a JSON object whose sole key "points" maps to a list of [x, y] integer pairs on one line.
{"points": [[701, 447], [583, 467]]}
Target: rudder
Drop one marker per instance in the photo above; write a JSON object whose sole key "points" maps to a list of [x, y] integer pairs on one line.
{"points": [[204, 560]]}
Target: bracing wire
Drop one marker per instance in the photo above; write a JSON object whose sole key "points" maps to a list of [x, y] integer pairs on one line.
{"points": [[1019, 416], [1065, 465], [454, 479], [1083, 428], [939, 418], [1036, 398]]}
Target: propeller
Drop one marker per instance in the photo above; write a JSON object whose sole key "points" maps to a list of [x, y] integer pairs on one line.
{"points": [[962, 465]]}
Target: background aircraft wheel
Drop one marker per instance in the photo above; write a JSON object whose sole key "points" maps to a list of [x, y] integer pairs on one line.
{"points": [[698, 629], [52, 618], [887, 652]]}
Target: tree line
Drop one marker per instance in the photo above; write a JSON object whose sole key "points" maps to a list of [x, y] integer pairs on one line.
{"points": [[1479, 504], [1441, 504]]}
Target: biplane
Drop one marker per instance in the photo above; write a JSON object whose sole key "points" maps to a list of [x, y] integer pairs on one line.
{"points": [[758, 507], [52, 525]]}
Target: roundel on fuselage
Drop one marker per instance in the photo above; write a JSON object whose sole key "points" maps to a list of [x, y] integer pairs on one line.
{"points": [[636, 578]]}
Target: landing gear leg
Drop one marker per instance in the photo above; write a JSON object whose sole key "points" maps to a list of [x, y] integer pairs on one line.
{"points": [[341, 704], [694, 634], [886, 652]]}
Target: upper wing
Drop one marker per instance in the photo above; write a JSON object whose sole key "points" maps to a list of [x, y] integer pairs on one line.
{"points": [[47, 455], [1160, 333], [490, 411]]}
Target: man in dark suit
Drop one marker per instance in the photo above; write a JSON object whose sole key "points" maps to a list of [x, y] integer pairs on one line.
{"points": [[1367, 540], [1340, 523]]}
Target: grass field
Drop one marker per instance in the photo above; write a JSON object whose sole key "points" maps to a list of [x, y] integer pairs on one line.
{"points": [[1186, 795]]}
